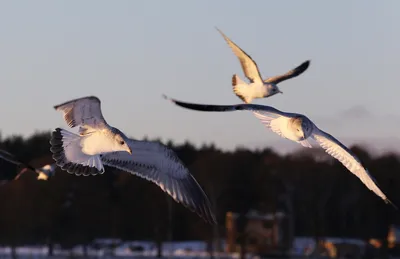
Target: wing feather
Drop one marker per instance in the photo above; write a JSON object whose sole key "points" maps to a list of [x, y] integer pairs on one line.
{"points": [[337, 150], [272, 121], [158, 164], [292, 73], [85, 111], [272, 118], [249, 66], [9, 157]]}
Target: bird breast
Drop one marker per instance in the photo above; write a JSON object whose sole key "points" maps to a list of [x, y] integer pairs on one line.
{"points": [[97, 143], [298, 128]]}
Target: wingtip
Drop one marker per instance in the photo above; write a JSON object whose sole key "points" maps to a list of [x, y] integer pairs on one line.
{"points": [[223, 34], [306, 63], [387, 201], [168, 98], [214, 221]]}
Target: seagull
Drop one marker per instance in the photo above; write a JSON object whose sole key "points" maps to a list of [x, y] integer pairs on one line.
{"points": [[99, 144], [300, 129], [258, 88], [44, 173]]}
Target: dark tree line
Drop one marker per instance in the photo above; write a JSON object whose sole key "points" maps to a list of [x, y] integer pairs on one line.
{"points": [[324, 198]]}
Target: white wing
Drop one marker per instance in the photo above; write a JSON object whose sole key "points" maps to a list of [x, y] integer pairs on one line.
{"points": [[85, 112], [272, 121], [158, 164], [249, 66], [292, 73], [336, 149]]}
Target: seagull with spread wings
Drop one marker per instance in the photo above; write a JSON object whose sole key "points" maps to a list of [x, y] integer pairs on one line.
{"points": [[100, 144], [43, 172], [298, 128], [258, 88]]}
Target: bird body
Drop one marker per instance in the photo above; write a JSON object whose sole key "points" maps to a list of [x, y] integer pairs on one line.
{"points": [[298, 128], [99, 144], [257, 88], [248, 92]]}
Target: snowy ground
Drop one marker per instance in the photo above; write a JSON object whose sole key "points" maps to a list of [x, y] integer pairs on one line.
{"points": [[137, 249], [148, 250]]}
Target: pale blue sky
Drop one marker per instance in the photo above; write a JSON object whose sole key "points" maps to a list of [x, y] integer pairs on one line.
{"points": [[130, 52]]}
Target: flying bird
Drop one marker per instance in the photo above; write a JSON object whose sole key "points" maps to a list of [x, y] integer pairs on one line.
{"points": [[258, 88], [298, 128], [99, 144], [43, 173]]}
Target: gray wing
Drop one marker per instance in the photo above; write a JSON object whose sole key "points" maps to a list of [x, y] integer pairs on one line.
{"points": [[9, 157], [85, 112], [229, 108], [158, 164], [12, 159], [270, 117], [336, 149], [249, 66], [292, 73]]}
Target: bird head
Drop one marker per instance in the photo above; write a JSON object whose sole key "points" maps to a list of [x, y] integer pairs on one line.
{"points": [[274, 89], [297, 127], [121, 142]]}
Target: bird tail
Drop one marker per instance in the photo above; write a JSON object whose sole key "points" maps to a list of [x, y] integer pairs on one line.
{"points": [[239, 88], [67, 152]]}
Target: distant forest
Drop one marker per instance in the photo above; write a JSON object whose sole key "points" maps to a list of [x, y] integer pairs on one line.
{"points": [[325, 198]]}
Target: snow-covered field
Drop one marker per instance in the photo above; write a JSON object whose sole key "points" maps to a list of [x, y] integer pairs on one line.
{"points": [[109, 248], [137, 249]]}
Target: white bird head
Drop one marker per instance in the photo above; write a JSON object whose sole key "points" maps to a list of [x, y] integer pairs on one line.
{"points": [[273, 89], [120, 141], [302, 127]]}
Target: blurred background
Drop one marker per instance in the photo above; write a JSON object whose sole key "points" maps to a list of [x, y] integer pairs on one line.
{"points": [[272, 197]]}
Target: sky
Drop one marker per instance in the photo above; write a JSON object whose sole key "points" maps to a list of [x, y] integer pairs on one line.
{"points": [[129, 53]]}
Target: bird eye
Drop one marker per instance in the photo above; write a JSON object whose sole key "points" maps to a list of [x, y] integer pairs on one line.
{"points": [[121, 142]]}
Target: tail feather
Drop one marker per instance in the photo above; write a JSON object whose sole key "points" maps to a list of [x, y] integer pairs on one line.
{"points": [[238, 85], [68, 154]]}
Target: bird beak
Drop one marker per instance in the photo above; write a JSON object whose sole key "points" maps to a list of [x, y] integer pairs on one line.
{"points": [[279, 91], [130, 151]]}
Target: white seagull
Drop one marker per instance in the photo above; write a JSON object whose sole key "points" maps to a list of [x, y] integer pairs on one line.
{"points": [[100, 144], [298, 128], [258, 88], [43, 172]]}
